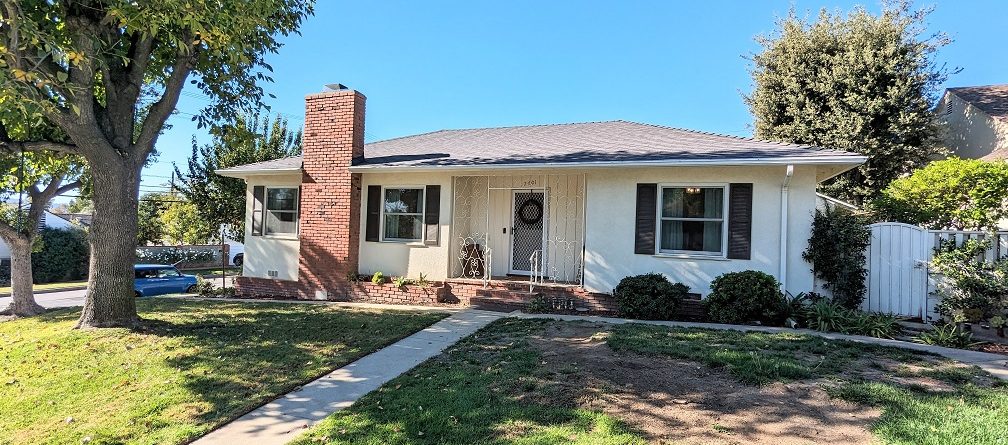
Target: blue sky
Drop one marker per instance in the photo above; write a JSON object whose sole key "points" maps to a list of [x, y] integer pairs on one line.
{"points": [[430, 65]]}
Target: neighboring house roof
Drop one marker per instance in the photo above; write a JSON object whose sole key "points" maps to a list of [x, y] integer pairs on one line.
{"points": [[580, 144], [991, 99]]}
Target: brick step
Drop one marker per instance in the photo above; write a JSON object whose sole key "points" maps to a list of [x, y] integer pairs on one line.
{"points": [[691, 309], [501, 300]]}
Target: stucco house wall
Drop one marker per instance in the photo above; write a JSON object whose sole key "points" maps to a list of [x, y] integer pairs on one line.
{"points": [[968, 131], [270, 253], [609, 229], [397, 258], [610, 226]]}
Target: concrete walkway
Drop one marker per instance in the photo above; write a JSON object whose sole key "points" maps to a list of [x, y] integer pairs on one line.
{"points": [[281, 420], [995, 364]]}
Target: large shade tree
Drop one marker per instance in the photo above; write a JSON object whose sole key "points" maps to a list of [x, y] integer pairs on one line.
{"points": [[860, 82], [108, 74], [219, 199]]}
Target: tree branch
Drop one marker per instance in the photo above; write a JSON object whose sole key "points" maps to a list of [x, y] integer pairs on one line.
{"points": [[17, 147], [67, 187], [162, 109]]}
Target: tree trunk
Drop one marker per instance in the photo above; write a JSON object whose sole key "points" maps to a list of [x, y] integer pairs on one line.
{"points": [[23, 304], [110, 300]]}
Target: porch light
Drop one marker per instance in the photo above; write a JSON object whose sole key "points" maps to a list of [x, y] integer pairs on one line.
{"points": [[692, 190]]}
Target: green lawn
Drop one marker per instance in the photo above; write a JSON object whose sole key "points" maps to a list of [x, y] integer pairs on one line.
{"points": [[493, 388], [197, 365]]}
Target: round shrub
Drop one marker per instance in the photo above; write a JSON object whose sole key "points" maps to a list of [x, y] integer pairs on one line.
{"points": [[649, 297], [744, 297]]}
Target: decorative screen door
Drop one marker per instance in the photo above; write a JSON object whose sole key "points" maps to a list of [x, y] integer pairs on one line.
{"points": [[527, 229]]}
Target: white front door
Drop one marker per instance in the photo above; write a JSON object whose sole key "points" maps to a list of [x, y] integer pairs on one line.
{"points": [[528, 217]]}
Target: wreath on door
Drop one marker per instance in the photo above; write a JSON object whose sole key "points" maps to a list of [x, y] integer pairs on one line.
{"points": [[531, 211]]}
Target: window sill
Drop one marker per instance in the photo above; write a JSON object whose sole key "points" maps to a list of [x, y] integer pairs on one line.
{"points": [[686, 256], [408, 243], [280, 237]]}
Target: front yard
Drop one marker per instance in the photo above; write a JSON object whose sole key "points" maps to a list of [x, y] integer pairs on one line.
{"points": [[196, 366], [537, 381]]}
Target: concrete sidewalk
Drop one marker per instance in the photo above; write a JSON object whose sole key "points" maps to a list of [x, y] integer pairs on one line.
{"points": [[995, 364], [281, 420]]}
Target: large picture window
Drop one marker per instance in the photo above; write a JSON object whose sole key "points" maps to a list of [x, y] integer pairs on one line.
{"points": [[403, 214], [281, 211], [692, 220]]}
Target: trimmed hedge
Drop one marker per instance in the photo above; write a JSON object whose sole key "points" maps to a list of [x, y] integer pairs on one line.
{"points": [[649, 297], [746, 297], [63, 256]]}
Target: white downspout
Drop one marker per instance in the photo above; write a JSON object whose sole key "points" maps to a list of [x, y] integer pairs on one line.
{"points": [[782, 275]]}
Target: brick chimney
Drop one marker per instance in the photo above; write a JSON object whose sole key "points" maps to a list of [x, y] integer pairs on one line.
{"points": [[330, 195]]}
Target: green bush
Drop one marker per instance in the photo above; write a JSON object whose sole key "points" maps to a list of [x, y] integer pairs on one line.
{"points": [[953, 193], [828, 316], [649, 297], [971, 288], [947, 335], [63, 256], [745, 297], [836, 253]]}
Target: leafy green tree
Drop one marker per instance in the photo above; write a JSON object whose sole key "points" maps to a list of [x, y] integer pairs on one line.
{"points": [[183, 224], [860, 83], [221, 200], [108, 74], [149, 227], [961, 194]]}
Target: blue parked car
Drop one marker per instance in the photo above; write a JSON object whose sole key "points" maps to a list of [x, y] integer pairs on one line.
{"points": [[157, 279]]}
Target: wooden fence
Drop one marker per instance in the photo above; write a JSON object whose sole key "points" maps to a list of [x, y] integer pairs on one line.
{"points": [[899, 280]]}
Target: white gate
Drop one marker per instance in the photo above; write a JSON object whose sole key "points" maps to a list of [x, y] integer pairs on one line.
{"points": [[897, 269], [898, 278]]}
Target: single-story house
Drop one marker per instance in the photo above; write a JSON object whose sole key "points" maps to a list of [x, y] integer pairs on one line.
{"points": [[568, 209]]}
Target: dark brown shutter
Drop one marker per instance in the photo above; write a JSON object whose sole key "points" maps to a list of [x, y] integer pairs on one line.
{"points": [[373, 213], [740, 221], [258, 198], [647, 214], [432, 214]]}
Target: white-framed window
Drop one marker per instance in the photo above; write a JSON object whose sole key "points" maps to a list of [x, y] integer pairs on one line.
{"points": [[692, 220], [281, 211], [402, 213]]}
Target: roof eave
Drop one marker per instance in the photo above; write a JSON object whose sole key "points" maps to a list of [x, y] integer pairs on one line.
{"points": [[850, 161], [244, 173]]}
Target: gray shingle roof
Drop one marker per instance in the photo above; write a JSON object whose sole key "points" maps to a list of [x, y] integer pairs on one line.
{"points": [[581, 143], [292, 163], [593, 142], [991, 99]]}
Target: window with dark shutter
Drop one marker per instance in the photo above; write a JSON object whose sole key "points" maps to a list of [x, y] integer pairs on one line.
{"points": [[373, 221], [432, 214], [740, 221], [647, 208], [258, 198]]}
